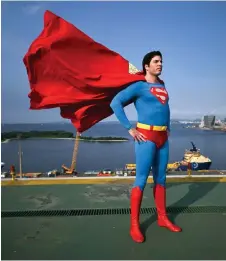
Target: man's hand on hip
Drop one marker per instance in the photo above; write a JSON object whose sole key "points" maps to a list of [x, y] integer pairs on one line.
{"points": [[137, 135]]}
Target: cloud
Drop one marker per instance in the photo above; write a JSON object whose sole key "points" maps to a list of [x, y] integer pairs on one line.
{"points": [[32, 9]]}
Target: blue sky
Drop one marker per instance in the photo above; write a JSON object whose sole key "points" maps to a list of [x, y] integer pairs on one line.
{"points": [[191, 36]]}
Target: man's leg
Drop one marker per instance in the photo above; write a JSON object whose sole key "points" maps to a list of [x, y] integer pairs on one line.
{"points": [[145, 152], [159, 190]]}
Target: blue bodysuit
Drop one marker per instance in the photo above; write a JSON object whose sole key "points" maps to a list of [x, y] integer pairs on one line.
{"points": [[151, 103]]}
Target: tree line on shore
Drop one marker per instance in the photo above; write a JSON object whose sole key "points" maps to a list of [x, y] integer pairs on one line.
{"points": [[50, 134]]}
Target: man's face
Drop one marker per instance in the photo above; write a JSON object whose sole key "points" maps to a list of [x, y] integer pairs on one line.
{"points": [[155, 66]]}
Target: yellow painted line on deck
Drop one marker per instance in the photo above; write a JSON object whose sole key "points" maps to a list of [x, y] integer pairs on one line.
{"points": [[105, 180]]}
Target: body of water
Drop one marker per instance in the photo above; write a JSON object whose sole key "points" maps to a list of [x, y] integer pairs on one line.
{"points": [[41, 155]]}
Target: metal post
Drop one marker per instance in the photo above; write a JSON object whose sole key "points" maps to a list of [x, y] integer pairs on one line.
{"points": [[189, 169], [13, 172], [20, 156]]}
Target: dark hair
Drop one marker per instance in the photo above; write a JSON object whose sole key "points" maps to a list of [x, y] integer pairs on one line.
{"points": [[147, 58]]}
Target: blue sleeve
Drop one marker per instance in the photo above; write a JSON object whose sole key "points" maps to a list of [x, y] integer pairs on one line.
{"points": [[168, 126], [121, 99]]}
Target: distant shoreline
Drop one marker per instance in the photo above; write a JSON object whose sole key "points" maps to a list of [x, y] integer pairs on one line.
{"points": [[6, 141], [206, 128], [92, 140], [84, 140], [58, 134]]}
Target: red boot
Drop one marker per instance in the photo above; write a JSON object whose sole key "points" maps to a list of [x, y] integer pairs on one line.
{"points": [[160, 201], [135, 201]]}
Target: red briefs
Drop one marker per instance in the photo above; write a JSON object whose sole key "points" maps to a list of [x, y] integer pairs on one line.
{"points": [[158, 137]]}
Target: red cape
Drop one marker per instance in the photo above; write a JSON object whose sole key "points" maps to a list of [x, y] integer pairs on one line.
{"points": [[69, 70]]}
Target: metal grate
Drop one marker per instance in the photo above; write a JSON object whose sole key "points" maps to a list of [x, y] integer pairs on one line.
{"points": [[110, 211]]}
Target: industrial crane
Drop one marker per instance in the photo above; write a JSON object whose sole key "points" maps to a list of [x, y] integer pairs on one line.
{"points": [[72, 169]]}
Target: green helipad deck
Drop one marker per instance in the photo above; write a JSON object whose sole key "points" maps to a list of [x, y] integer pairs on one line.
{"points": [[91, 221]]}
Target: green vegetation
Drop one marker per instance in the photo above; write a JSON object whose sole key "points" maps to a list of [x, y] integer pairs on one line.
{"points": [[103, 138], [36, 134], [55, 135]]}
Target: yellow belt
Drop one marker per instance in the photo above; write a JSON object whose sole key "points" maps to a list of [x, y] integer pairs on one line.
{"points": [[151, 127]]}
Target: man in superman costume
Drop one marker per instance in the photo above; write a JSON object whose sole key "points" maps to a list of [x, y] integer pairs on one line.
{"points": [[88, 82]]}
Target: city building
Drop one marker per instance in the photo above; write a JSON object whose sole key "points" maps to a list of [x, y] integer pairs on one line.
{"points": [[208, 121]]}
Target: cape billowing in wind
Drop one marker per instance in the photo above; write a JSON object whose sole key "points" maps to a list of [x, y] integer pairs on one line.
{"points": [[69, 70]]}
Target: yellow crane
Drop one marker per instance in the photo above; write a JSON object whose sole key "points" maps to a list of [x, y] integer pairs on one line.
{"points": [[72, 169]]}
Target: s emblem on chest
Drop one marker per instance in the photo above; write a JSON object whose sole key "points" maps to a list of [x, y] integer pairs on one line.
{"points": [[160, 93]]}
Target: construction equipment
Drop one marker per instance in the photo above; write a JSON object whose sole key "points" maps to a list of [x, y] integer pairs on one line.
{"points": [[72, 169]]}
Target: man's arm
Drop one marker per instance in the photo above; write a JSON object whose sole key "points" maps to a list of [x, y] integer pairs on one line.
{"points": [[168, 125], [121, 99]]}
